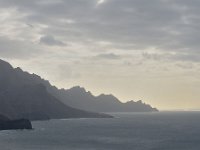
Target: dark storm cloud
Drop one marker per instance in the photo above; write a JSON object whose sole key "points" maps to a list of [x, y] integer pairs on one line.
{"points": [[166, 25]]}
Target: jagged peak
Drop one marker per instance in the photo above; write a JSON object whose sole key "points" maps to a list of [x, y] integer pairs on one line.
{"points": [[18, 69], [131, 101], [78, 88], [109, 97], [137, 101], [140, 102], [4, 64]]}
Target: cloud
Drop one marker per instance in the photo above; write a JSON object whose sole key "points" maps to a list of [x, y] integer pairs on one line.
{"points": [[108, 56], [154, 35], [185, 66], [99, 2], [51, 41], [163, 24], [184, 57], [18, 49]]}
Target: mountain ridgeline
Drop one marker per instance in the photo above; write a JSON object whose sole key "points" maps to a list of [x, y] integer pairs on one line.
{"points": [[79, 98], [25, 95]]}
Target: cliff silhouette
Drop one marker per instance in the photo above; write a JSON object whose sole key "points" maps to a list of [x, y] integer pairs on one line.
{"points": [[25, 95]]}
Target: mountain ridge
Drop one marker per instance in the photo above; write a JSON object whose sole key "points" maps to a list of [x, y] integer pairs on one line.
{"points": [[103, 102], [77, 96], [22, 97]]}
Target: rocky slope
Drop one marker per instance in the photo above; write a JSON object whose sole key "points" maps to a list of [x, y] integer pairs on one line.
{"points": [[21, 96]]}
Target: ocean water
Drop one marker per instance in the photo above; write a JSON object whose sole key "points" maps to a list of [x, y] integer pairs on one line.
{"points": [[128, 131]]}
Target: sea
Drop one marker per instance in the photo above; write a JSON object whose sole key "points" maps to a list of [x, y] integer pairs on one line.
{"points": [[127, 131]]}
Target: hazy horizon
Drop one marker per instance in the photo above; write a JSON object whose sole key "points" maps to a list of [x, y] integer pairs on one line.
{"points": [[133, 49]]}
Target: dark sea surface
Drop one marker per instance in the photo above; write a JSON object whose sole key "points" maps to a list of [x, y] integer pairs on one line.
{"points": [[128, 131]]}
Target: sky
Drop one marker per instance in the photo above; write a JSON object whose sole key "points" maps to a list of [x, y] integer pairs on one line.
{"points": [[134, 49]]}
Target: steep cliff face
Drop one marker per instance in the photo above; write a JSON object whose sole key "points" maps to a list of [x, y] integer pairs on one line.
{"points": [[23, 96], [28, 95]]}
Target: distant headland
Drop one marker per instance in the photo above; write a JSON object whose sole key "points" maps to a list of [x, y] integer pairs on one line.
{"points": [[25, 95]]}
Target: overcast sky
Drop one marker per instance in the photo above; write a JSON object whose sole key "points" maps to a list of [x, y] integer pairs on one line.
{"points": [[134, 49]]}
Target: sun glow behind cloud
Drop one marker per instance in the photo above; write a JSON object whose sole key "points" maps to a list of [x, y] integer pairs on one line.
{"points": [[99, 2]]}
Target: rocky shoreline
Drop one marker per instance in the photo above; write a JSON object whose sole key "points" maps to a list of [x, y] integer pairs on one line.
{"points": [[7, 124]]}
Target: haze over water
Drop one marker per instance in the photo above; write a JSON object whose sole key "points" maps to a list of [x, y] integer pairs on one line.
{"points": [[127, 131]]}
